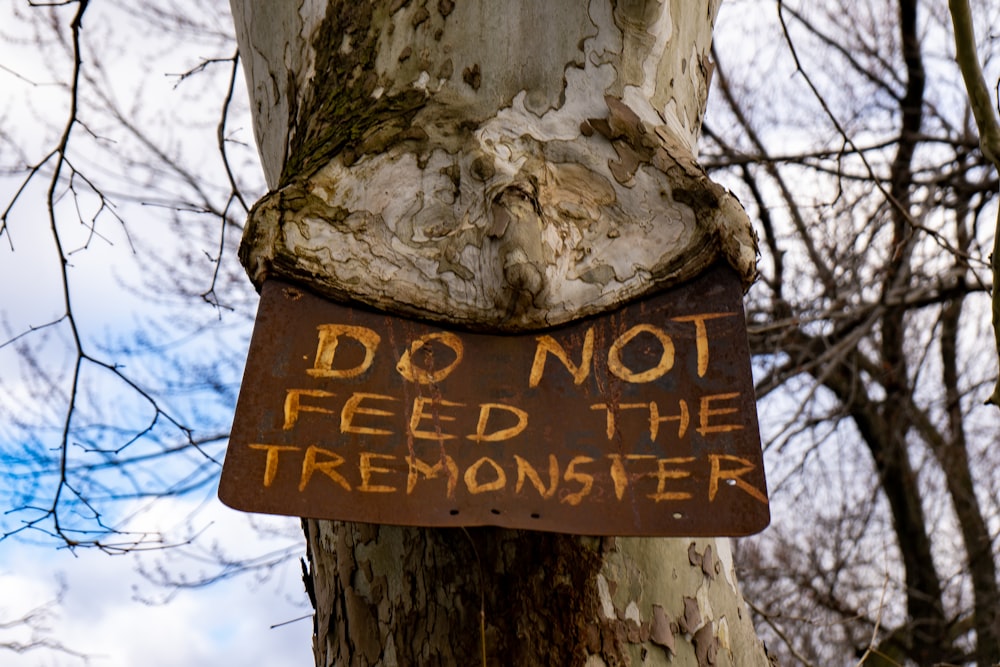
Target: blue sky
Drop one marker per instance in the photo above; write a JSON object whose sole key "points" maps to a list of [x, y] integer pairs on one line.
{"points": [[136, 271]]}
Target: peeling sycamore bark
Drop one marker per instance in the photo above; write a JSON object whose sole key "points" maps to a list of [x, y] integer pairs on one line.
{"points": [[499, 166], [387, 595]]}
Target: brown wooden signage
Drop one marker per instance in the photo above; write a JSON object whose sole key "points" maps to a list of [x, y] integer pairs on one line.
{"points": [[639, 422]]}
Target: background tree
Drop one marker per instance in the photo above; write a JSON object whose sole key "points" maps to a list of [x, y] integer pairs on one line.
{"points": [[871, 324]]}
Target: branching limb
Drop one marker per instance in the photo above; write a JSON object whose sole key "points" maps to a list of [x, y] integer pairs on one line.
{"points": [[62, 176], [235, 195], [983, 110], [36, 622]]}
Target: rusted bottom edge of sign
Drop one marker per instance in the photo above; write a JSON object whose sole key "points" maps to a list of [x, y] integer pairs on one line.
{"points": [[673, 523]]}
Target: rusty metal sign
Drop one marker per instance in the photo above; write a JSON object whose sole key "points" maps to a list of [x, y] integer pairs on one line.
{"points": [[638, 422]]}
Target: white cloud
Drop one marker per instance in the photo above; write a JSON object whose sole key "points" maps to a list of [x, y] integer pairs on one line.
{"points": [[102, 613]]}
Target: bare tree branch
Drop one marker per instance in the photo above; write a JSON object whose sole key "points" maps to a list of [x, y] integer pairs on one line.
{"points": [[984, 112]]}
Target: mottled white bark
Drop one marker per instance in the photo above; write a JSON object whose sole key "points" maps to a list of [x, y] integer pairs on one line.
{"points": [[501, 166], [386, 595], [498, 165]]}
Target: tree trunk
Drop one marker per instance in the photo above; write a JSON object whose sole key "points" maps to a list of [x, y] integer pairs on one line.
{"points": [[503, 167], [387, 595]]}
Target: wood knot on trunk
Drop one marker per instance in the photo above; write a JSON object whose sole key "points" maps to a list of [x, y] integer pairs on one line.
{"points": [[517, 224]]}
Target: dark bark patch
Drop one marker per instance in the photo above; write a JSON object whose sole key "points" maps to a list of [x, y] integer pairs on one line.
{"points": [[628, 162], [661, 632], [633, 631], [420, 16], [341, 108], [693, 556], [691, 620], [705, 561], [472, 76], [706, 646]]}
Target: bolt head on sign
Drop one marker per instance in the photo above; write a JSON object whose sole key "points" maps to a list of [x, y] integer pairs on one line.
{"points": [[637, 422]]}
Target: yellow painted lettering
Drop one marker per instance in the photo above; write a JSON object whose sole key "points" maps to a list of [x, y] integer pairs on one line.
{"points": [[329, 337], [527, 471], [485, 410], [293, 405], [682, 419], [366, 469], [419, 403], [706, 412], [618, 473], [610, 414], [271, 462], [353, 407], [328, 467], [734, 474], [663, 366], [666, 470], [572, 475], [472, 477], [413, 373], [547, 345], [701, 336], [418, 467]]}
